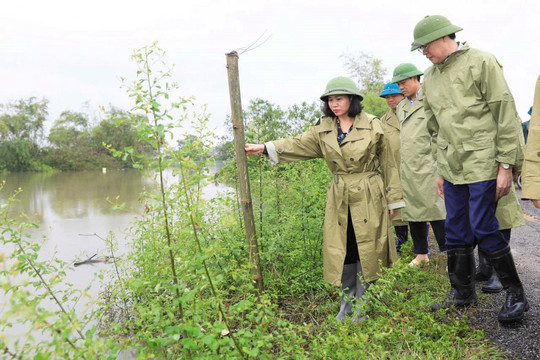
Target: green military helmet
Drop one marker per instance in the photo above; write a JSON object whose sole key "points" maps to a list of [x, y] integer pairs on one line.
{"points": [[431, 28], [341, 85], [405, 71]]}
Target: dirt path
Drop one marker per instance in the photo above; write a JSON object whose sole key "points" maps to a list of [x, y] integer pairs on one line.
{"points": [[522, 340]]}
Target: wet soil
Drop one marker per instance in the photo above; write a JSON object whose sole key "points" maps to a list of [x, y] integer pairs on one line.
{"points": [[520, 340]]}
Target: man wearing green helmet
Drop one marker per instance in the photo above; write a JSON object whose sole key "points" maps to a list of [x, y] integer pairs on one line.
{"points": [[356, 231], [472, 117], [417, 168]]}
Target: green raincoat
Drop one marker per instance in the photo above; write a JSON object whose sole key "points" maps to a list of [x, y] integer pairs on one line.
{"points": [[365, 179], [509, 212], [418, 167], [390, 124], [471, 113], [531, 166]]}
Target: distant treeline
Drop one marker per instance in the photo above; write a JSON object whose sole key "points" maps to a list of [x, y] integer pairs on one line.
{"points": [[78, 142], [75, 142]]}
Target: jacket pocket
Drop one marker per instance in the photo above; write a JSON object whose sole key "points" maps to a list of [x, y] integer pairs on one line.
{"points": [[442, 143], [477, 144]]}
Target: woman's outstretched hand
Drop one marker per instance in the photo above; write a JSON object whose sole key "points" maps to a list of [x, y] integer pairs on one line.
{"points": [[254, 149]]}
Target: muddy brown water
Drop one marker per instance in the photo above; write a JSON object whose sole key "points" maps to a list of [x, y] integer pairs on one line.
{"points": [[71, 208]]}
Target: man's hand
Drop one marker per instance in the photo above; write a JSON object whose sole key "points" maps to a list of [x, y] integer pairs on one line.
{"points": [[536, 203], [391, 212], [439, 184], [504, 182]]}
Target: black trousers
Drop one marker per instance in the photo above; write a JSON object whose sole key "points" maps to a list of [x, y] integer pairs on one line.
{"points": [[419, 235], [352, 248]]}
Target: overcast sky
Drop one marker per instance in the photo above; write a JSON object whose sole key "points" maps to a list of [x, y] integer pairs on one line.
{"points": [[73, 52]]}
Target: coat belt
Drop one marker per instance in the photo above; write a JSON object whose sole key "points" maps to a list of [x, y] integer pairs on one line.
{"points": [[339, 188]]}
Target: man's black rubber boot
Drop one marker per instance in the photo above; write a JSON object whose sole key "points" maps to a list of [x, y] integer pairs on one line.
{"points": [[516, 303], [461, 273], [493, 285], [484, 269]]}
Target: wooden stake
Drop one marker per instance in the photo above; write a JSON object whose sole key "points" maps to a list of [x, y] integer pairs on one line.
{"points": [[241, 165]]}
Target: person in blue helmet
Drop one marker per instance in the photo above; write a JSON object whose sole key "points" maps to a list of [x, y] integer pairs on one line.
{"points": [[390, 124]]}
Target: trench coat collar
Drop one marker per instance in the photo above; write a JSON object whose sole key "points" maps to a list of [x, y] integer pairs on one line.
{"points": [[328, 130], [392, 119], [410, 109]]}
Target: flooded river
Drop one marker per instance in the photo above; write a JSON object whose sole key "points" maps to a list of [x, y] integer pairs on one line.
{"points": [[71, 208]]}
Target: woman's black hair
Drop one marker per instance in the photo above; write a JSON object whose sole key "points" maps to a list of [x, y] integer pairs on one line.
{"points": [[354, 109]]}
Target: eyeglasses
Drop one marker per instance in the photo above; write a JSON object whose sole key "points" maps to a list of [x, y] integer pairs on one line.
{"points": [[422, 48]]}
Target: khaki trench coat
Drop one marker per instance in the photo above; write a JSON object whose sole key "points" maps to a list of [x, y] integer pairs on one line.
{"points": [[531, 166], [365, 179], [471, 113], [418, 167], [390, 124]]}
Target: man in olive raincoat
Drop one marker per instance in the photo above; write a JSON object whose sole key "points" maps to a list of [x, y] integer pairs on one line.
{"points": [[472, 116], [390, 124], [418, 168], [531, 168]]}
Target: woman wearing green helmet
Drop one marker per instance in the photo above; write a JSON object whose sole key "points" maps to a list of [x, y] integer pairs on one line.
{"points": [[364, 190]]}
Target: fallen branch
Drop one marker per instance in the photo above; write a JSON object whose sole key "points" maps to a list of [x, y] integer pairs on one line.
{"points": [[91, 260]]}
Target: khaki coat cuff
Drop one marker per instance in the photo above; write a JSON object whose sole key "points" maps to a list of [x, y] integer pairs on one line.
{"points": [[396, 205], [272, 156]]}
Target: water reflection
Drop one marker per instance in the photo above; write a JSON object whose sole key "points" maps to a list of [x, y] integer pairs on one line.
{"points": [[72, 195]]}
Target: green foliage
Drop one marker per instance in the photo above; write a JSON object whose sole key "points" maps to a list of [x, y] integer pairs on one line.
{"points": [[24, 120], [374, 104], [21, 131], [185, 289], [74, 144], [70, 130], [368, 72]]}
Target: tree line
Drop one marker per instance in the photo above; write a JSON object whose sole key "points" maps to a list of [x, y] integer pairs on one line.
{"points": [[73, 142], [78, 142]]}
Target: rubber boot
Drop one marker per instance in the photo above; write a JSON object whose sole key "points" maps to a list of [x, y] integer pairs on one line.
{"points": [[516, 303], [353, 289], [461, 274], [484, 269], [493, 285]]}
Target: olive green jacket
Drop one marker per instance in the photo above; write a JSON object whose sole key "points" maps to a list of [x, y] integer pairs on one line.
{"points": [[365, 180], [418, 167], [472, 116], [390, 124], [531, 167]]}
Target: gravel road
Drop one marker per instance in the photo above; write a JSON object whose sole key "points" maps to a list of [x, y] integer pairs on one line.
{"points": [[522, 340]]}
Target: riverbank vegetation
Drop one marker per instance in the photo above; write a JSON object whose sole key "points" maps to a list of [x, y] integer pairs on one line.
{"points": [[75, 140], [185, 289]]}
